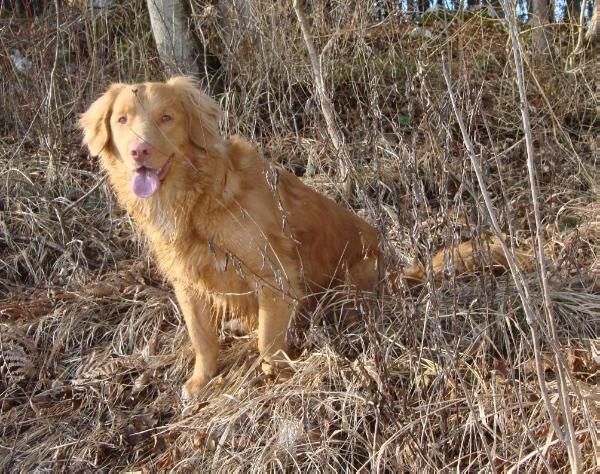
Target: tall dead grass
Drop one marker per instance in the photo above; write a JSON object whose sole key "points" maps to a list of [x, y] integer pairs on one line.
{"points": [[93, 349]]}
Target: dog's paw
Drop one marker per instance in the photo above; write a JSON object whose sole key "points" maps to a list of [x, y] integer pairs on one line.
{"points": [[278, 368], [268, 369], [192, 388]]}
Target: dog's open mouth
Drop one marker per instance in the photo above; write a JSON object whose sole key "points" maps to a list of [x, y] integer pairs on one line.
{"points": [[146, 181]]}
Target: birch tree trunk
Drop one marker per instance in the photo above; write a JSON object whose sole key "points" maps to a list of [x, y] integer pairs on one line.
{"points": [[539, 19], [494, 8], [593, 32], [172, 36]]}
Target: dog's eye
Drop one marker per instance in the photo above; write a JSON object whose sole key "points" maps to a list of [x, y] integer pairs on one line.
{"points": [[166, 118], [122, 119]]}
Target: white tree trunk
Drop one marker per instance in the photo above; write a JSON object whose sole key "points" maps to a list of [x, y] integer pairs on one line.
{"points": [[172, 36], [593, 31]]}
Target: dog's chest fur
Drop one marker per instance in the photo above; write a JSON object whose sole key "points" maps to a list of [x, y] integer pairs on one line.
{"points": [[229, 265], [217, 273]]}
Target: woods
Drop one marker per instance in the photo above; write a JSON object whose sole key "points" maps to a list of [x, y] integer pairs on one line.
{"points": [[440, 125]]}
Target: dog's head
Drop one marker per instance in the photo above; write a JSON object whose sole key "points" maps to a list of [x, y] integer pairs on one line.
{"points": [[151, 130]]}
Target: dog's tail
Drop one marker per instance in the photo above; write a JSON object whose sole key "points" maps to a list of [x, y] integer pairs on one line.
{"points": [[468, 257]]}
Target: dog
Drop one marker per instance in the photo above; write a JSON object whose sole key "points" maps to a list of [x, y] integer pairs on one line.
{"points": [[231, 232], [234, 234]]}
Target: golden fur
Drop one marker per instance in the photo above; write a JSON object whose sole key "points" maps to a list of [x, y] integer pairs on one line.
{"points": [[233, 234], [230, 231]]}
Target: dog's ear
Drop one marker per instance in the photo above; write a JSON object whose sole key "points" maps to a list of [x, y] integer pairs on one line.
{"points": [[202, 112], [95, 121]]}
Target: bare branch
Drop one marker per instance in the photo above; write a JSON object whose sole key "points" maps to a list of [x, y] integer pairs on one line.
{"points": [[532, 317], [327, 109], [569, 436]]}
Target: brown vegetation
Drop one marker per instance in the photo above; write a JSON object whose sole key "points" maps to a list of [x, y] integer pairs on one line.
{"points": [[93, 348]]}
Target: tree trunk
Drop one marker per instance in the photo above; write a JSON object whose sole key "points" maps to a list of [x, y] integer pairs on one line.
{"points": [[172, 36], [539, 19], [494, 8], [572, 11], [593, 32]]}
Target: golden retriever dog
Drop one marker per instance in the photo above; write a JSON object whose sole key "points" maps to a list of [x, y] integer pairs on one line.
{"points": [[232, 233]]}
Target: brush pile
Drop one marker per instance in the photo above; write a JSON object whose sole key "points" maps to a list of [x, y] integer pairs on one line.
{"points": [[93, 349]]}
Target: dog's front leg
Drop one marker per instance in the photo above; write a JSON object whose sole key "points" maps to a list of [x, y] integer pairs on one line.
{"points": [[274, 314], [196, 311]]}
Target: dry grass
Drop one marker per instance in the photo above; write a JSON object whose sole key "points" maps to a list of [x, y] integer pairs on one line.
{"points": [[93, 349]]}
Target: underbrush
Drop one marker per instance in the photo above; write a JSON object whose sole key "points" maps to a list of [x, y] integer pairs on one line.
{"points": [[93, 349]]}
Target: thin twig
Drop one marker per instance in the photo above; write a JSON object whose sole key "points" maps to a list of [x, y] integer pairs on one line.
{"points": [[38, 239], [531, 315], [337, 139], [536, 452], [85, 196], [568, 437], [580, 34]]}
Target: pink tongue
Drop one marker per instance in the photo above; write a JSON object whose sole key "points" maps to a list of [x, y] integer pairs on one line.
{"points": [[145, 182]]}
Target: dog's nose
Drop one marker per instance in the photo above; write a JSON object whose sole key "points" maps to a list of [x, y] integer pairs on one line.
{"points": [[140, 151]]}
